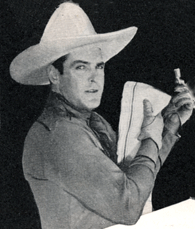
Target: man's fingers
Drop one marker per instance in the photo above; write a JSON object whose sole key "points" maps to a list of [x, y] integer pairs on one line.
{"points": [[181, 95], [173, 117], [187, 102], [181, 88], [148, 110]]}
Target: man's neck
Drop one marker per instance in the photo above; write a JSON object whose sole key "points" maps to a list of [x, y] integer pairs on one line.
{"points": [[84, 114]]}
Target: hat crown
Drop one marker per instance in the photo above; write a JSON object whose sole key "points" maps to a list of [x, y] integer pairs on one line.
{"points": [[69, 20]]}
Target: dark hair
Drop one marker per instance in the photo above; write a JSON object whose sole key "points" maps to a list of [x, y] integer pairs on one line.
{"points": [[58, 64]]}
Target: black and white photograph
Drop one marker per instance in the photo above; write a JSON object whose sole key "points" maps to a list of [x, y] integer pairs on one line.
{"points": [[97, 123]]}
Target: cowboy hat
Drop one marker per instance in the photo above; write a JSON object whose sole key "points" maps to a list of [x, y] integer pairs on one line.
{"points": [[68, 28]]}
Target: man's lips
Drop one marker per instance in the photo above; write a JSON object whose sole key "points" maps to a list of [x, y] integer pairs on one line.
{"points": [[92, 91]]}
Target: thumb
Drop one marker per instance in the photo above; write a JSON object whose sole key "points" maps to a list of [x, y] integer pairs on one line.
{"points": [[148, 110]]}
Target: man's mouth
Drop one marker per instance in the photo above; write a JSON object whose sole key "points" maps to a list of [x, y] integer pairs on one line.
{"points": [[92, 91]]}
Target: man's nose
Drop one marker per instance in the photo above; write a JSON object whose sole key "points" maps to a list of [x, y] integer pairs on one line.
{"points": [[93, 75]]}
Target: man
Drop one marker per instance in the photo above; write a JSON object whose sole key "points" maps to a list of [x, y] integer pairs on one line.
{"points": [[70, 152]]}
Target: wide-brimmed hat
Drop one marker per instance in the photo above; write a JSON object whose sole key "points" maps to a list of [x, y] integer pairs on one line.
{"points": [[68, 28]]}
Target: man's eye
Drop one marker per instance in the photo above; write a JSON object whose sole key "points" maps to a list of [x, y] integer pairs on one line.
{"points": [[80, 67], [101, 66]]}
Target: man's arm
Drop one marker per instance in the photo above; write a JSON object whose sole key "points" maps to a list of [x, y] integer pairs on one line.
{"points": [[93, 179], [98, 183]]}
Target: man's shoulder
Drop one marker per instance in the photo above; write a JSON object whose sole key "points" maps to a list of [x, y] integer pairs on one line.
{"points": [[58, 129], [50, 120]]}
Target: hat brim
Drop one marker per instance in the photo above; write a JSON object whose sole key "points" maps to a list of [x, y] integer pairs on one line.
{"points": [[29, 67]]}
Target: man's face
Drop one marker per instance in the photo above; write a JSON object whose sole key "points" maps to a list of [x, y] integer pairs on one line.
{"points": [[83, 79]]}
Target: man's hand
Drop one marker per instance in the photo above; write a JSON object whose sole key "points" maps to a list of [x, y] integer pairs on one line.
{"points": [[181, 105], [172, 123], [152, 126]]}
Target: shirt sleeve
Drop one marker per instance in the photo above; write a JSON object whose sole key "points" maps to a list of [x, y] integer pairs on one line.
{"points": [[84, 171]]}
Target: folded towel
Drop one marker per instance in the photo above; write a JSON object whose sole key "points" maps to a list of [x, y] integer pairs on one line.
{"points": [[131, 118]]}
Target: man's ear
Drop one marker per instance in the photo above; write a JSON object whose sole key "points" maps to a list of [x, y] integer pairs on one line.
{"points": [[53, 74]]}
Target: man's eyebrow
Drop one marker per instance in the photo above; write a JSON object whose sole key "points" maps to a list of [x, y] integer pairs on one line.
{"points": [[101, 63], [85, 62], [79, 62]]}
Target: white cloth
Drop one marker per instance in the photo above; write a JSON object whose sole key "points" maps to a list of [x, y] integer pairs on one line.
{"points": [[131, 118]]}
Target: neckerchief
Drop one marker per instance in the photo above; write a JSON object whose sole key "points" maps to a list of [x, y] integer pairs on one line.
{"points": [[108, 143], [96, 123]]}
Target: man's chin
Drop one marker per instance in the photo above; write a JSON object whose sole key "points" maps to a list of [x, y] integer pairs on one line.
{"points": [[92, 105]]}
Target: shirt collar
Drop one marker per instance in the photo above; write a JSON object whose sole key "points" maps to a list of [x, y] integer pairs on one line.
{"points": [[62, 105]]}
